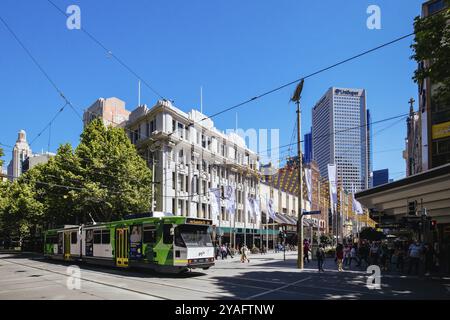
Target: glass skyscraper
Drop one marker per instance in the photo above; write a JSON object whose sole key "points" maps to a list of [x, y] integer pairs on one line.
{"points": [[340, 136]]}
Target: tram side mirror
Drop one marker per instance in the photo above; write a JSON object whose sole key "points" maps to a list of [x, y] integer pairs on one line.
{"points": [[172, 231]]}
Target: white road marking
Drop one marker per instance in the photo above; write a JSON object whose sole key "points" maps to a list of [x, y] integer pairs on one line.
{"points": [[277, 289]]}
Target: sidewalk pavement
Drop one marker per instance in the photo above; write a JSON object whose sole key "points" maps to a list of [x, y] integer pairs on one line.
{"points": [[329, 265]]}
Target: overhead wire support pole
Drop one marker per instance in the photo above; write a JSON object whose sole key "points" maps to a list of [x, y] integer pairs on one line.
{"points": [[296, 98]]}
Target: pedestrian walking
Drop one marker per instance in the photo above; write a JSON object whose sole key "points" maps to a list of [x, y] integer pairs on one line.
{"points": [[363, 253], [244, 254], [320, 254], [400, 254], [353, 255], [384, 257], [346, 260], [216, 251], [223, 251], [414, 254], [428, 255], [339, 256], [306, 251], [229, 251], [374, 253]]}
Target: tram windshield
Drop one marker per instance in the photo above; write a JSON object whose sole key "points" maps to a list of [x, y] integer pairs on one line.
{"points": [[192, 236]]}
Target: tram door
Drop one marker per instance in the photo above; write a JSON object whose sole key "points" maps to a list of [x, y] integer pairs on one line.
{"points": [[66, 245], [122, 247]]}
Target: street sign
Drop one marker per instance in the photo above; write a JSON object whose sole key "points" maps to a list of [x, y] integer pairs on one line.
{"points": [[307, 213]]}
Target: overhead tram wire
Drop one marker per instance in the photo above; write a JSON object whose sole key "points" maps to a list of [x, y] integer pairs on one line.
{"points": [[227, 109], [109, 52], [264, 152], [337, 132], [297, 80], [47, 76], [49, 123], [249, 100], [304, 77]]}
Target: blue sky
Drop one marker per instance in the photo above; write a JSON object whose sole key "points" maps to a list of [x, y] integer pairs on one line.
{"points": [[233, 49]]}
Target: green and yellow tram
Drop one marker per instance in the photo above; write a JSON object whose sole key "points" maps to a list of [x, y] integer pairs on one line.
{"points": [[154, 240]]}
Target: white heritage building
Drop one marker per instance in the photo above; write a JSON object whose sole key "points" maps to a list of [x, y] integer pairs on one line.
{"points": [[189, 157]]}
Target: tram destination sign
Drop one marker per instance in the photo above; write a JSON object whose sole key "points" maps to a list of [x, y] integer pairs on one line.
{"points": [[198, 221]]}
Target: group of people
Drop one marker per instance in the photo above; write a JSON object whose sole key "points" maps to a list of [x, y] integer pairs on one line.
{"points": [[390, 256], [223, 251]]}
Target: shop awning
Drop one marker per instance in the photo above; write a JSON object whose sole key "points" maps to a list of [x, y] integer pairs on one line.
{"points": [[431, 190]]}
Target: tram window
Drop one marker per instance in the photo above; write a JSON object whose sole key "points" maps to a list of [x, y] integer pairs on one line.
{"points": [[167, 237], [105, 237], [178, 239], [97, 237], [73, 238], [149, 234]]}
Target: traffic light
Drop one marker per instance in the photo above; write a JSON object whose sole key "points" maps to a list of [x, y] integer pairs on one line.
{"points": [[433, 224], [412, 208]]}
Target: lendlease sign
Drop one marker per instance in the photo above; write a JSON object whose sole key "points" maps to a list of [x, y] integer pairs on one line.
{"points": [[346, 92]]}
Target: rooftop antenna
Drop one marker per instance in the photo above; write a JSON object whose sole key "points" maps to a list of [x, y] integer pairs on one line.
{"points": [[201, 99], [236, 122], [139, 93]]}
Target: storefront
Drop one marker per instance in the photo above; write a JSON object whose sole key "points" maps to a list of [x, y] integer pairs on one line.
{"points": [[419, 203]]}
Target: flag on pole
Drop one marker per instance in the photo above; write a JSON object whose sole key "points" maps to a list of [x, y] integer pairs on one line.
{"points": [[357, 207], [270, 209], [333, 184], [230, 197], [248, 205], [308, 178], [215, 201], [256, 207]]}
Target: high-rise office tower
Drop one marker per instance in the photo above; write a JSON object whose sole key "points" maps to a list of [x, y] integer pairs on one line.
{"points": [[340, 136]]}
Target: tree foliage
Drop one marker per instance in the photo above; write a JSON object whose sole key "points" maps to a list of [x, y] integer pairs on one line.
{"points": [[103, 178], [432, 44], [1, 160]]}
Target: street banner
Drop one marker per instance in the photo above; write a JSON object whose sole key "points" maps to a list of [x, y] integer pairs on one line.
{"points": [[357, 207], [230, 197], [270, 209], [332, 178], [256, 207], [308, 178], [215, 201], [248, 205]]}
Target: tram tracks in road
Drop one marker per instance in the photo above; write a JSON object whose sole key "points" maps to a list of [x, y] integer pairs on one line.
{"points": [[138, 277], [89, 280], [98, 272]]}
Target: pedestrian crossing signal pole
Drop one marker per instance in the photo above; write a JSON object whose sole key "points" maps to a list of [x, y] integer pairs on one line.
{"points": [[296, 98]]}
